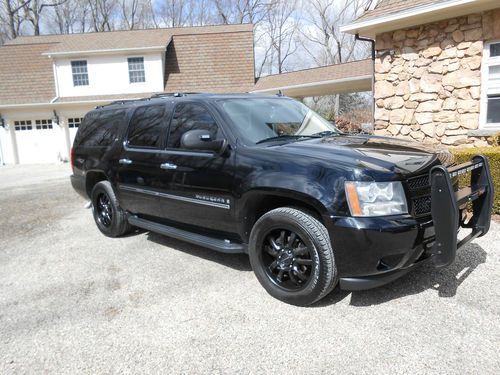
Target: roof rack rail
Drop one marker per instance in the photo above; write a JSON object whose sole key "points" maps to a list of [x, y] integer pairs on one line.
{"points": [[154, 96], [174, 94]]}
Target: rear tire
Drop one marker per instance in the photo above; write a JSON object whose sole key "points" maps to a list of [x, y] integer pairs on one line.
{"points": [[108, 215], [292, 257]]}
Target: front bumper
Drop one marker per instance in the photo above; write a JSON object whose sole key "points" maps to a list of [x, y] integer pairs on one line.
{"points": [[371, 252]]}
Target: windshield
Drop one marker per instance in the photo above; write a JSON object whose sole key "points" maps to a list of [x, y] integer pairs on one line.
{"points": [[259, 120]]}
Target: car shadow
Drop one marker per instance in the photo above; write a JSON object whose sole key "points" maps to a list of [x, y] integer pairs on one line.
{"points": [[445, 281], [238, 262]]}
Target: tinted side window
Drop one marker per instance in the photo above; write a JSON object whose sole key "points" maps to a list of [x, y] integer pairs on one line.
{"points": [[147, 127], [189, 116], [100, 128]]}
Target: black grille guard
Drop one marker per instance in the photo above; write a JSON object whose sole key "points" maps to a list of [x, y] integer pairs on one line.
{"points": [[446, 205]]}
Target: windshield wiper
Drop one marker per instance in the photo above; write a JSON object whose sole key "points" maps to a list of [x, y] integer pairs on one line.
{"points": [[326, 133], [289, 136]]}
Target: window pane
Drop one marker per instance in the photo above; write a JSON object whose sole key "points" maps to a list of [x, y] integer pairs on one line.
{"points": [[495, 50], [190, 116], [100, 128], [80, 74], [136, 69], [493, 116], [147, 127]]}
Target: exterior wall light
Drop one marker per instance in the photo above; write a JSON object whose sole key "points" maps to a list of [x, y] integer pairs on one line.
{"points": [[2, 122], [55, 118]]}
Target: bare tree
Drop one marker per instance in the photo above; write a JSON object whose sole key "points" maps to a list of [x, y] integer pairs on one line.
{"points": [[240, 11], [102, 14], [137, 14], [12, 17], [325, 44], [322, 40], [33, 10], [69, 17], [173, 12], [280, 27]]}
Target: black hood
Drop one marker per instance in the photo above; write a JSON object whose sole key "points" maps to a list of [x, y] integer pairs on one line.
{"points": [[372, 152]]}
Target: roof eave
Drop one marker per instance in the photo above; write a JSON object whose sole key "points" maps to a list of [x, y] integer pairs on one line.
{"points": [[418, 16], [107, 51]]}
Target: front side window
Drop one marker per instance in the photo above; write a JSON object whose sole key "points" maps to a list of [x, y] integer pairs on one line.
{"points": [[80, 73], [147, 127], [136, 70], [190, 116], [259, 120], [490, 108]]}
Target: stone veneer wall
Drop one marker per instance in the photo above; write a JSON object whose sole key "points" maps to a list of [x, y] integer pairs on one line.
{"points": [[428, 79]]}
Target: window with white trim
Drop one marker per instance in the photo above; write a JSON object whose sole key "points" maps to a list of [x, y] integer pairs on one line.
{"points": [[490, 93], [23, 125], [80, 73], [136, 70], [44, 124], [74, 123]]}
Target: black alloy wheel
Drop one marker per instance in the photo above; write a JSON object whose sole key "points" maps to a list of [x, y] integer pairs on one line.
{"points": [[287, 259], [109, 217], [292, 257], [104, 210]]}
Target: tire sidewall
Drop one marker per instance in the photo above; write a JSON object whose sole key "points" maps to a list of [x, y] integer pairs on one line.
{"points": [[113, 229], [262, 228]]}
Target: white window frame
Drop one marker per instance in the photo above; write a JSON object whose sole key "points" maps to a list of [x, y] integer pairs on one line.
{"points": [[131, 72], [80, 73], [486, 64]]}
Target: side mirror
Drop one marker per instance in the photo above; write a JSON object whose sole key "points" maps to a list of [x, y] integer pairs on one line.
{"points": [[200, 139]]}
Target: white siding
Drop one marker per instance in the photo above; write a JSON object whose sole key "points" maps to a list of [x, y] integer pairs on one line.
{"points": [[109, 75]]}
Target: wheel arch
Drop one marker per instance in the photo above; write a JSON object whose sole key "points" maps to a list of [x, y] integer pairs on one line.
{"points": [[259, 202], [92, 177]]}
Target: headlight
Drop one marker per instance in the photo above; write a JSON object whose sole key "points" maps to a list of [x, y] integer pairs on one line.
{"points": [[376, 198]]}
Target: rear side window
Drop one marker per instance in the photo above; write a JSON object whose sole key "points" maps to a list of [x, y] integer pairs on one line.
{"points": [[147, 127], [189, 116], [100, 128]]}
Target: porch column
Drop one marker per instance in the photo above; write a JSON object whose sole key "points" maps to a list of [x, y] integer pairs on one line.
{"points": [[13, 141]]}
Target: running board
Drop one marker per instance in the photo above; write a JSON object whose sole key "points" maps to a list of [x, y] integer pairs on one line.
{"points": [[224, 246]]}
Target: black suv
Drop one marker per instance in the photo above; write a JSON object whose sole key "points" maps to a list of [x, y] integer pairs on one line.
{"points": [[265, 175]]}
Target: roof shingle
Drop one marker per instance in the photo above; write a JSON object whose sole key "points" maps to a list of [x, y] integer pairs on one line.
{"points": [[325, 73], [124, 39], [386, 7], [26, 75]]}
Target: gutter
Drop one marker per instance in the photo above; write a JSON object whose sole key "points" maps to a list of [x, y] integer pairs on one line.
{"points": [[104, 51], [410, 12], [54, 102], [318, 83]]}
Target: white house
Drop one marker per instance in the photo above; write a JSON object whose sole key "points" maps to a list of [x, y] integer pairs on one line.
{"points": [[48, 83]]}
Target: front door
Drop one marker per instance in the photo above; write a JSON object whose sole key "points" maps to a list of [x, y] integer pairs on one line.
{"points": [[197, 184]]}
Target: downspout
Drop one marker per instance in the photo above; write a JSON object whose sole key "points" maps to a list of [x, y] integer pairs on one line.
{"points": [[362, 39]]}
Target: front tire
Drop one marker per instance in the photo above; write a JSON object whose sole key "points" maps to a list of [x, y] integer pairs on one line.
{"points": [[108, 215], [291, 254]]}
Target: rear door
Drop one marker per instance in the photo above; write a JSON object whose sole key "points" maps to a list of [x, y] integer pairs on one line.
{"points": [[139, 164]]}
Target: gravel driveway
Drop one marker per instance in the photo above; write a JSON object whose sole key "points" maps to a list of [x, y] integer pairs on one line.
{"points": [[73, 301]]}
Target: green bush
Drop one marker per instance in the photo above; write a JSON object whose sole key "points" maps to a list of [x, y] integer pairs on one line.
{"points": [[494, 140], [493, 154]]}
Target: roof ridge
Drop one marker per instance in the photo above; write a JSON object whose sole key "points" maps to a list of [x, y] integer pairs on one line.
{"points": [[236, 25]]}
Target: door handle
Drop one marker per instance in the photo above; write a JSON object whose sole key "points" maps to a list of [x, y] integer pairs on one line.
{"points": [[168, 166], [125, 161]]}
